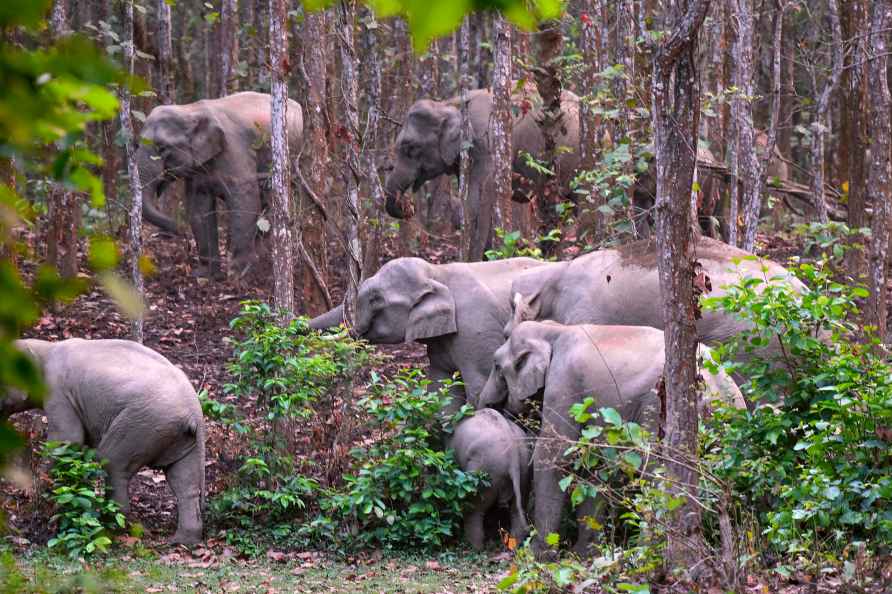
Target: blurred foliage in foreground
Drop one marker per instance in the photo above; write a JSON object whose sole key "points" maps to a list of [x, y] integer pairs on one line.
{"points": [[48, 96]]}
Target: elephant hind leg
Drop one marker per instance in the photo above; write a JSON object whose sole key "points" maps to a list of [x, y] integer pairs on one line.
{"points": [[186, 479], [473, 520]]}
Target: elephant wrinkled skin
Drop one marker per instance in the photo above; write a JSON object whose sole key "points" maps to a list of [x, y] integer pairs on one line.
{"points": [[490, 443], [131, 404], [456, 310], [220, 147], [618, 366], [622, 287], [428, 146]]}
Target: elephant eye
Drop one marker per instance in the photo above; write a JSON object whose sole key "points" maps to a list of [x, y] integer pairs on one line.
{"points": [[521, 361]]}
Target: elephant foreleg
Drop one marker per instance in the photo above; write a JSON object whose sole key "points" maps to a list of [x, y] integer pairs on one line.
{"points": [[203, 220], [244, 210], [186, 479], [554, 438]]}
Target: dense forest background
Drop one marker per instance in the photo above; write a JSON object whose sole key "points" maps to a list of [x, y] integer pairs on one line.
{"points": [[766, 124]]}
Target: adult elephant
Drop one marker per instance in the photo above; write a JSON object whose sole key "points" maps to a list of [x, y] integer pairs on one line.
{"points": [[429, 145], [221, 148], [456, 310], [622, 287]]}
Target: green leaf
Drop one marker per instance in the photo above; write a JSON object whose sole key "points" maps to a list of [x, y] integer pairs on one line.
{"points": [[553, 539], [610, 415]]}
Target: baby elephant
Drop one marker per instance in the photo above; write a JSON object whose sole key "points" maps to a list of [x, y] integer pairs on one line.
{"points": [[619, 366], [134, 407], [491, 443]]}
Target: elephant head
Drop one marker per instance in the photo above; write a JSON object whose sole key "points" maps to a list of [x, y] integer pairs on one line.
{"points": [[404, 302], [176, 140], [520, 367], [426, 147], [14, 400]]}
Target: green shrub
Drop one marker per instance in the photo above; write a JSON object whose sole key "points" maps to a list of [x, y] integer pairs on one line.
{"points": [[406, 491], [295, 377], [84, 517], [811, 461]]}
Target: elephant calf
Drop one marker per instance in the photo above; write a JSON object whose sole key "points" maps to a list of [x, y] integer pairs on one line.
{"points": [[131, 404], [490, 443], [619, 366]]}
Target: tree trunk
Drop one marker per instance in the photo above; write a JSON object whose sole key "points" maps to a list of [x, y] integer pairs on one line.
{"points": [[500, 121], [547, 76], [589, 123], [743, 175], [166, 89], [372, 145], [879, 183], [283, 253], [229, 46], [470, 209], [315, 162], [352, 167], [855, 21], [675, 112], [820, 125], [133, 173], [752, 198]]}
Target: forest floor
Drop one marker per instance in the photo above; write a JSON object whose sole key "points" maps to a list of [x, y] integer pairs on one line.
{"points": [[188, 322]]}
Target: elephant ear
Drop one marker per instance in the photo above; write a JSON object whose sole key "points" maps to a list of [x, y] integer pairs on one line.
{"points": [[531, 367], [432, 314], [450, 136], [206, 139], [526, 308]]}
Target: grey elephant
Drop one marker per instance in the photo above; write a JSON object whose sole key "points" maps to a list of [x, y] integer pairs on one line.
{"points": [[221, 148], [457, 310], [622, 287], [428, 146], [131, 404], [619, 366], [490, 443]]}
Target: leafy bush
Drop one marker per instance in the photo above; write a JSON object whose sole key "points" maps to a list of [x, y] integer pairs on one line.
{"points": [[84, 517], [406, 490], [812, 460], [295, 374], [513, 245]]}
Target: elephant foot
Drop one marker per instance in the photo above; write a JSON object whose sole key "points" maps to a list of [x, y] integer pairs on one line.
{"points": [[543, 552], [186, 537], [203, 271]]}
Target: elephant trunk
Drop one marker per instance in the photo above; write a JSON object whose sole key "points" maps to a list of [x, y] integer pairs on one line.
{"points": [[15, 400], [329, 319], [493, 393], [398, 204], [151, 173]]}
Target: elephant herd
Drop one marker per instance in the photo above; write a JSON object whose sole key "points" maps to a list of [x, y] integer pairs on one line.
{"points": [[519, 329]]}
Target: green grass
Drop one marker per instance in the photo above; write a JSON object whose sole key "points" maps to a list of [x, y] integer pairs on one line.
{"points": [[142, 570]]}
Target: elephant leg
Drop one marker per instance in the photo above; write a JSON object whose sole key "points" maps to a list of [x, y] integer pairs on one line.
{"points": [[244, 210], [186, 479], [203, 220], [554, 437], [64, 424], [473, 520], [590, 509]]}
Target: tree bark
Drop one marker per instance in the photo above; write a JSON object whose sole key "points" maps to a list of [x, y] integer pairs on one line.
{"points": [[352, 167], [547, 76], [133, 173], [744, 158], [879, 183], [283, 252], [163, 34], [820, 125], [470, 209], [372, 144], [675, 113], [316, 162], [752, 199], [229, 46], [855, 73], [501, 123], [589, 123]]}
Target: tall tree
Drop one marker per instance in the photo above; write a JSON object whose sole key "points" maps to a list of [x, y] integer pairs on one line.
{"points": [[470, 208], [550, 43], [755, 185], [820, 124], [229, 47], [352, 167], [744, 157], [283, 253], [879, 183], [675, 112], [311, 237], [163, 37], [500, 120], [372, 141], [132, 172]]}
